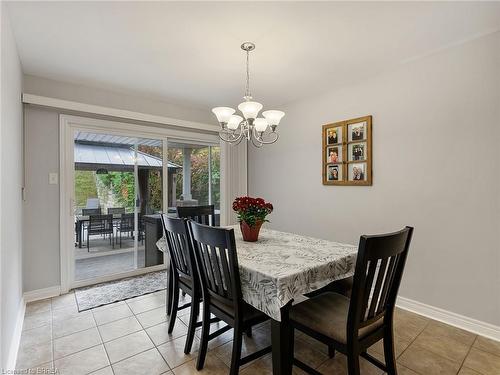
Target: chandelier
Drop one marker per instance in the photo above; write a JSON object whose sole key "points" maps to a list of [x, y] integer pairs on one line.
{"points": [[259, 130]]}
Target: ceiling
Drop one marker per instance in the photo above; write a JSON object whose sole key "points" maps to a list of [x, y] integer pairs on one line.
{"points": [[189, 53]]}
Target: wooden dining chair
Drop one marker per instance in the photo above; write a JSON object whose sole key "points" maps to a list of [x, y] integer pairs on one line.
{"points": [[351, 326], [217, 263], [185, 275], [200, 214]]}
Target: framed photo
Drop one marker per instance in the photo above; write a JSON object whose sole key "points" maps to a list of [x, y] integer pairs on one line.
{"points": [[357, 131], [334, 172], [334, 154], [357, 171], [334, 135], [347, 152], [357, 151]]}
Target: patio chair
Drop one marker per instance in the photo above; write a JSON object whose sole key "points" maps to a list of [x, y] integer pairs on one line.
{"points": [[100, 224], [88, 212], [126, 224]]}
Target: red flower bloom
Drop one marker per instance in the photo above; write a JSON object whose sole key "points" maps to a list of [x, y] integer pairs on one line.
{"points": [[252, 210]]}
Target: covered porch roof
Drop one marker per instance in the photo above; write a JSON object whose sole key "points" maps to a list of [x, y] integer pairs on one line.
{"points": [[115, 157]]}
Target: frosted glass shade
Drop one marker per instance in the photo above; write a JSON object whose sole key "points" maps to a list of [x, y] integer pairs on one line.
{"points": [[273, 117], [250, 110], [260, 124], [234, 122], [223, 113]]}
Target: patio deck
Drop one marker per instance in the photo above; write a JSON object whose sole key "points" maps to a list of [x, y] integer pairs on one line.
{"points": [[103, 260]]}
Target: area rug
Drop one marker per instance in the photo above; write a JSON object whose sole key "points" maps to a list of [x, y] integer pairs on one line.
{"points": [[119, 290]]}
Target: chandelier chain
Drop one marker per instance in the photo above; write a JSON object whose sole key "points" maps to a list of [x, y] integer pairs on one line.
{"points": [[247, 89]]}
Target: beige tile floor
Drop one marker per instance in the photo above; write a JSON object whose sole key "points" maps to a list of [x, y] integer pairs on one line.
{"points": [[130, 337]]}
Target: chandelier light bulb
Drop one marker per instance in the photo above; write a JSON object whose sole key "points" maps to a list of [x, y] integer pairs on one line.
{"points": [[260, 124], [273, 117], [223, 114], [234, 122], [250, 110]]}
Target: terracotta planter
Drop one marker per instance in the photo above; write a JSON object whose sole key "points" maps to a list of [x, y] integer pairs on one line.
{"points": [[250, 234]]}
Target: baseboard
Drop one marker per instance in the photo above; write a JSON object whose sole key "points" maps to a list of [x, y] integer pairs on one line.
{"points": [[16, 337], [476, 326], [36, 295]]}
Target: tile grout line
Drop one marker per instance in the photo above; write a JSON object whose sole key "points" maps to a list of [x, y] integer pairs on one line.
{"points": [[468, 351], [147, 334], [102, 343], [439, 355], [412, 341]]}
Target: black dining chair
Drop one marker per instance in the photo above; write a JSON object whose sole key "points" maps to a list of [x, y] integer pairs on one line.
{"points": [[125, 225], [100, 224], [351, 326], [88, 212], [217, 264], [185, 275], [200, 214]]}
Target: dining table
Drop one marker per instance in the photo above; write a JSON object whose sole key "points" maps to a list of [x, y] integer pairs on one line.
{"points": [[278, 270]]}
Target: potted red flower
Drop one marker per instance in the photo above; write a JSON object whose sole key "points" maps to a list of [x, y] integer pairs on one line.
{"points": [[252, 213]]}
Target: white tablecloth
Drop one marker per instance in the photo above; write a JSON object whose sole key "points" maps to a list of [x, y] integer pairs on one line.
{"points": [[281, 267]]}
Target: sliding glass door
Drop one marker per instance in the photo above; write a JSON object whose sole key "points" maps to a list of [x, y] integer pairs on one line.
{"points": [[116, 178], [194, 176], [118, 189]]}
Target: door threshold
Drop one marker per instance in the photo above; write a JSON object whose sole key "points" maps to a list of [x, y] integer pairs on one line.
{"points": [[116, 276]]}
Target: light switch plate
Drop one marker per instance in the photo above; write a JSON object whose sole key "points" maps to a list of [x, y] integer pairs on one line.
{"points": [[53, 178]]}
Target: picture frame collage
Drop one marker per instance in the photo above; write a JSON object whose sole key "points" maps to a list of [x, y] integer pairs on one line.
{"points": [[347, 152]]}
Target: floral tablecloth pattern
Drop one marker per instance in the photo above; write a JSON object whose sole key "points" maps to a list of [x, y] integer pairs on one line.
{"points": [[281, 267]]}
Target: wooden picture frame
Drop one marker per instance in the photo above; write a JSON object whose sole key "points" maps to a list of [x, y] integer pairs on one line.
{"points": [[347, 152]]}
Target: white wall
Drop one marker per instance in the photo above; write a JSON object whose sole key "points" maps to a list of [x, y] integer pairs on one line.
{"points": [[436, 166], [89, 95], [11, 175]]}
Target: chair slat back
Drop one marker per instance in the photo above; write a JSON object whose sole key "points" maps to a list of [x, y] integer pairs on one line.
{"points": [[116, 210], [127, 222], [379, 269], [217, 261], [179, 246], [91, 211], [200, 214], [100, 223]]}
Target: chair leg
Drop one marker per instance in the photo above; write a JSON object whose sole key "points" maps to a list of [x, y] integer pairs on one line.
{"points": [[193, 318], [248, 332], [236, 356], [390, 360], [88, 242], [352, 363], [331, 351], [205, 331], [175, 306], [170, 288]]}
